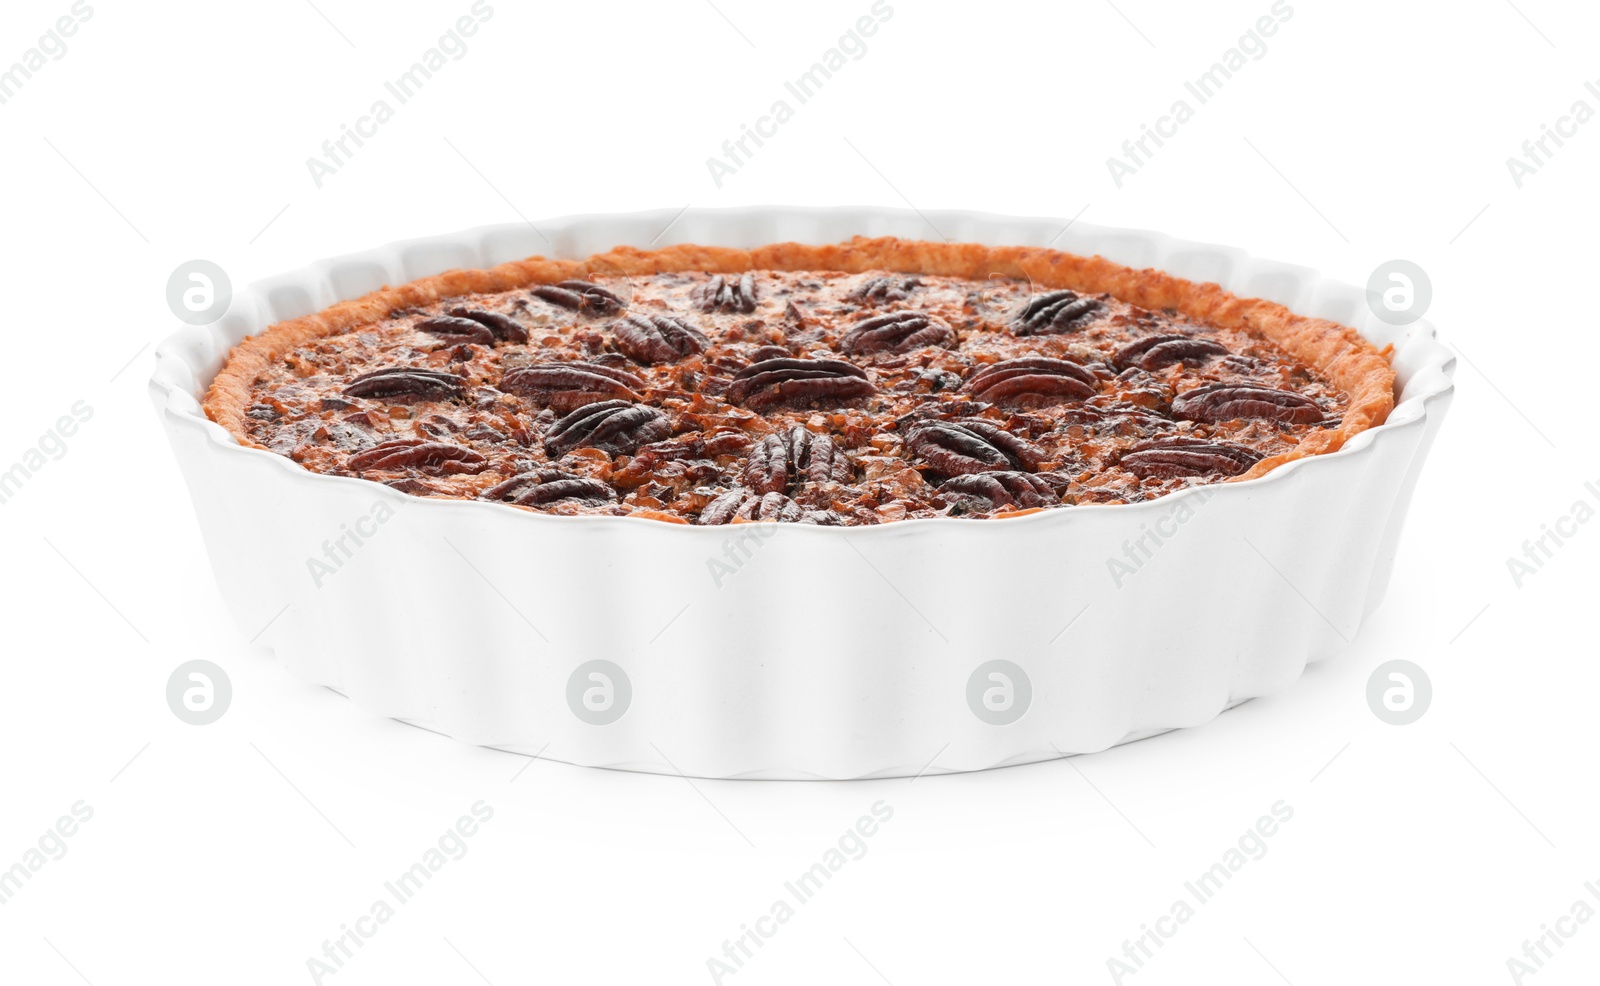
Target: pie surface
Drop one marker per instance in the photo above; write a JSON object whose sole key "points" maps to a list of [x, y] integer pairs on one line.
{"points": [[851, 384]]}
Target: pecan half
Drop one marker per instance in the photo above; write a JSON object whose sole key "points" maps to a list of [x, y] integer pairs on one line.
{"points": [[957, 449], [796, 315], [1018, 449], [1155, 352], [613, 427], [768, 352], [743, 504], [1032, 381], [799, 383], [787, 460], [726, 294], [698, 446], [436, 426], [451, 330], [569, 386], [1175, 458], [580, 296], [433, 458], [1002, 489], [695, 451], [897, 332], [885, 290], [657, 338], [502, 326], [1226, 402], [547, 486], [405, 384], [1055, 312], [413, 487], [722, 509]]}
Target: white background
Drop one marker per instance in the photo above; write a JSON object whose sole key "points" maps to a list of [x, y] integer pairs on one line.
{"points": [[229, 853]]}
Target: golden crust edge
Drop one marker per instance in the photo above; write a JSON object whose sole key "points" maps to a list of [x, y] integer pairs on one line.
{"points": [[1337, 352]]}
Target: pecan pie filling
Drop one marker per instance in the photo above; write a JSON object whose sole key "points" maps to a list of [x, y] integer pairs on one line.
{"points": [[805, 396]]}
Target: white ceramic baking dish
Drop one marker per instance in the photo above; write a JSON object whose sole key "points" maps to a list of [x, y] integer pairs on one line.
{"points": [[789, 651]]}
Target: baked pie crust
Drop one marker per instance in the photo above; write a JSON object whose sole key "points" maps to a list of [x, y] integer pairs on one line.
{"points": [[855, 383]]}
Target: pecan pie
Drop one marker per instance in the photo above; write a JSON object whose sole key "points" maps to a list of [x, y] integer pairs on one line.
{"points": [[857, 383]]}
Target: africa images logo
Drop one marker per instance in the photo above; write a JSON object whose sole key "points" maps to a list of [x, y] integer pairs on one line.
{"points": [[999, 692], [599, 692]]}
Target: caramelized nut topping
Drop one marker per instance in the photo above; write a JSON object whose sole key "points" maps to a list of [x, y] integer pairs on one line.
{"points": [[797, 397]]}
